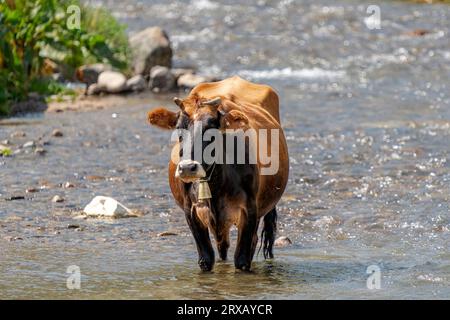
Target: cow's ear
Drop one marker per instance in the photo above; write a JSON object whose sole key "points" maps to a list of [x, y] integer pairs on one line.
{"points": [[163, 118], [234, 120]]}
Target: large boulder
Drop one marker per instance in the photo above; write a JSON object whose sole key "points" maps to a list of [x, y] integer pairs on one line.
{"points": [[136, 83], [112, 82], [150, 47], [161, 79]]}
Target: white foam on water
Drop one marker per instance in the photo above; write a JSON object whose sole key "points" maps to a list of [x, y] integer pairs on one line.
{"points": [[204, 5], [203, 36], [289, 73]]}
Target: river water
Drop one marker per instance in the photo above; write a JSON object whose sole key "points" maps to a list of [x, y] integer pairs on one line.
{"points": [[367, 116]]}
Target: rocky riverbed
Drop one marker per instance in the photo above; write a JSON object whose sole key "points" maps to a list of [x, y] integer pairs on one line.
{"points": [[366, 115]]}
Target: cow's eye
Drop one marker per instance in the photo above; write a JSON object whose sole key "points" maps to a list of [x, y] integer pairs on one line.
{"points": [[212, 123]]}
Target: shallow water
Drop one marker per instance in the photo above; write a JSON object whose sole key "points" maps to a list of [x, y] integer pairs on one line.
{"points": [[367, 117]]}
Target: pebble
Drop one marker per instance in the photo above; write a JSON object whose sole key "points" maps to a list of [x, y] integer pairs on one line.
{"points": [[282, 242], [57, 199], [40, 151], [31, 190], [73, 226], [44, 184], [15, 238], [5, 142], [167, 233], [18, 134], [69, 185], [419, 32], [94, 178], [80, 217], [12, 198], [57, 133]]}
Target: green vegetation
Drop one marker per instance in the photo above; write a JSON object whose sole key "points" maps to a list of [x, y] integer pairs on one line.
{"points": [[35, 40], [5, 152]]}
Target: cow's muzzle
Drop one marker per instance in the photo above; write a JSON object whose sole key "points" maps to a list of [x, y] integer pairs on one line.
{"points": [[189, 171]]}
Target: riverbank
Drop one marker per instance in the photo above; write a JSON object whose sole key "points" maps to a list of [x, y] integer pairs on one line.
{"points": [[90, 103]]}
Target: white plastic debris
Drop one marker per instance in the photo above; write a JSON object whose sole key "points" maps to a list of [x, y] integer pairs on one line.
{"points": [[107, 207], [282, 242]]}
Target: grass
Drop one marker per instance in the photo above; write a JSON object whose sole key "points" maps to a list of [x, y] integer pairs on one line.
{"points": [[5, 152], [33, 33]]}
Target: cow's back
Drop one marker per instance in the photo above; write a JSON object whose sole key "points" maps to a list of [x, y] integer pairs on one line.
{"points": [[241, 92]]}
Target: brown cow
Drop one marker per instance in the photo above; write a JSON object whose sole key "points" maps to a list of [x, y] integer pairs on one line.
{"points": [[217, 195]]}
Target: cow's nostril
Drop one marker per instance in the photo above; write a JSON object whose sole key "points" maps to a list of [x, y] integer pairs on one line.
{"points": [[193, 167]]}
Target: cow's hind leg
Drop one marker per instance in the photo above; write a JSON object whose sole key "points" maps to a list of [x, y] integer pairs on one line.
{"points": [[202, 240], [223, 241], [268, 233]]}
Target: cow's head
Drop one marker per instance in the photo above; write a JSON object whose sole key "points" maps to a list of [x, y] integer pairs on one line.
{"points": [[196, 116]]}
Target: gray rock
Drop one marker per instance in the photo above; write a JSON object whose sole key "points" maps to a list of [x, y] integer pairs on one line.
{"points": [[57, 133], [189, 80], [18, 134], [93, 89], [136, 83], [112, 81], [89, 73], [69, 185], [178, 72], [150, 47], [40, 151], [57, 199], [161, 79]]}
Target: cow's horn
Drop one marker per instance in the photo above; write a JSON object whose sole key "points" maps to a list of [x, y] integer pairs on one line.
{"points": [[213, 102], [178, 102]]}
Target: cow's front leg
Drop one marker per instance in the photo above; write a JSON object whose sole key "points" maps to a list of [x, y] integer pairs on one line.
{"points": [[201, 235], [247, 237]]}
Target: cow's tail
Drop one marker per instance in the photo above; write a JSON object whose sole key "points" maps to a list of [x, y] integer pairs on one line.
{"points": [[268, 234]]}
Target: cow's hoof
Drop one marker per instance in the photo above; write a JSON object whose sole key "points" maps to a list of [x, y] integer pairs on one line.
{"points": [[242, 264], [205, 264]]}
